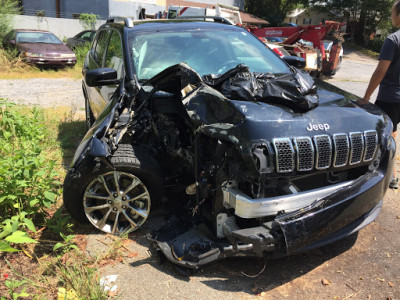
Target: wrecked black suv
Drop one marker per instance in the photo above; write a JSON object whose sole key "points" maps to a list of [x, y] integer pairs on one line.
{"points": [[245, 154]]}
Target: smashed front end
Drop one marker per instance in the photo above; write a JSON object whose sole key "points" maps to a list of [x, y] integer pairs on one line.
{"points": [[287, 171]]}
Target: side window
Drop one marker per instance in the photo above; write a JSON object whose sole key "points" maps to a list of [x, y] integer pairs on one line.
{"points": [[86, 36], [101, 46], [114, 58]]}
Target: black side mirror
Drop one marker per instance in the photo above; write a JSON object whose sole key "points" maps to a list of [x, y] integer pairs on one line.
{"points": [[295, 61], [100, 77]]}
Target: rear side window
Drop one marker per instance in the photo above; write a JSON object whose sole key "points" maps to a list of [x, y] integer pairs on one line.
{"points": [[101, 46], [86, 36], [114, 58]]}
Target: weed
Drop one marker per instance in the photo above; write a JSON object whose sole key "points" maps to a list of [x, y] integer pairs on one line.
{"points": [[66, 245], [11, 61], [81, 279], [28, 179], [59, 223], [80, 53], [30, 170], [13, 285]]}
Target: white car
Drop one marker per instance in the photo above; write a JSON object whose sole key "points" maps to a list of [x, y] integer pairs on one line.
{"points": [[328, 46], [278, 49]]}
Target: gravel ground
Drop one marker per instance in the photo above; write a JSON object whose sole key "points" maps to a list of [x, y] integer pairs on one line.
{"points": [[367, 267], [43, 92], [354, 74]]}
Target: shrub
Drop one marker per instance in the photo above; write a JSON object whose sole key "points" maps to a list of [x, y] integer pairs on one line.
{"points": [[28, 178], [376, 43], [8, 8], [88, 21], [80, 53]]}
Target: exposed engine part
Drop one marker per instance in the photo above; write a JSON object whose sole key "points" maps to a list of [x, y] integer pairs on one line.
{"points": [[191, 189]]}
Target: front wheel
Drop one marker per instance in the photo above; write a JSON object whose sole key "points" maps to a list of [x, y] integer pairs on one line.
{"points": [[114, 201]]}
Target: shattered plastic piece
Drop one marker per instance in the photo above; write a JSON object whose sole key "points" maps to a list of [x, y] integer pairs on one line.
{"points": [[106, 283]]}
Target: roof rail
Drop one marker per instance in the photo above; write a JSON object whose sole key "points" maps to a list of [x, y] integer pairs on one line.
{"points": [[127, 21], [215, 18]]}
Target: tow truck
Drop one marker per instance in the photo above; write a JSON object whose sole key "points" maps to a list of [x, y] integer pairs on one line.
{"points": [[317, 58]]}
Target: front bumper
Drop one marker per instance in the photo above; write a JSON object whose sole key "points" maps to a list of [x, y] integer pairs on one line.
{"points": [[328, 215], [56, 62]]}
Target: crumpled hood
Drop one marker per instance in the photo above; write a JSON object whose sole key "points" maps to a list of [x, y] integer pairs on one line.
{"points": [[336, 113], [295, 90]]}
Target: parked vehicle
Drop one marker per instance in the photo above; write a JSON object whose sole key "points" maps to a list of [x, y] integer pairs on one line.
{"points": [[273, 39], [295, 61], [328, 47], [307, 41], [40, 47], [82, 38], [248, 155]]}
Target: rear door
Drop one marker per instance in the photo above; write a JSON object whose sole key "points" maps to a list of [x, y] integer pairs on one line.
{"points": [[95, 60], [114, 59]]}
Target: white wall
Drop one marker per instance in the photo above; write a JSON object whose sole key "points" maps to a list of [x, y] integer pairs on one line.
{"points": [[63, 28]]}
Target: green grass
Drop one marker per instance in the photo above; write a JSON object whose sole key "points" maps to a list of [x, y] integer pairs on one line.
{"points": [[35, 144]]}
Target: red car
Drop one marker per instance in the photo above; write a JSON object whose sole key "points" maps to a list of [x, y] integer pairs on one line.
{"points": [[40, 47]]}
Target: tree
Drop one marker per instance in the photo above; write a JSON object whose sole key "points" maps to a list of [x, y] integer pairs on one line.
{"points": [[274, 11], [8, 8], [88, 21], [363, 16]]}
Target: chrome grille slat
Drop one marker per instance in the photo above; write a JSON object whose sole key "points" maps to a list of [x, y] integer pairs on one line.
{"points": [[284, 155], [323, 150], [356, 147], [305, 153], [341, 149], [371, 143]]}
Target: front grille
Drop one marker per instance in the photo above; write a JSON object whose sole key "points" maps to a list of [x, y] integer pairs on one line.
{"points": [[341, 149], [371, 140], [356, 147], [284, 155], [305, 153], [323, 151]]}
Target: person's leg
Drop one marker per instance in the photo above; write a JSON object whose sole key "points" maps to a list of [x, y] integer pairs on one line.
{"points": [[393, 111], [394, 183]]}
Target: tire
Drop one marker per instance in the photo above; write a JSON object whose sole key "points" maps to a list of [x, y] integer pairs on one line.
{"points": [[88, 113], [114, 201]]}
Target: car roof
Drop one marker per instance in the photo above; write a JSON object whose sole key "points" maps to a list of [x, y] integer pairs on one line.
{"points": [[32, 30], [167, 24]]}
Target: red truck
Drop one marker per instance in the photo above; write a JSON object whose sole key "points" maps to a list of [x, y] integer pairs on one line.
{"points": [[318, 59]]}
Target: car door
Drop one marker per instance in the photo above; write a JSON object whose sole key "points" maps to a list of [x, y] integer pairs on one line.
{"points": [[113, 59], [95, 60]]}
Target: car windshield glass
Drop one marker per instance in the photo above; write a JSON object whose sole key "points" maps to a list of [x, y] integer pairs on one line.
{"points": [[207, 51], [37, 37], [327, 45]]}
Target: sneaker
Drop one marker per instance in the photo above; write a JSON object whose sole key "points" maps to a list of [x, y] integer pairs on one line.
{"points": [[394, 183]]}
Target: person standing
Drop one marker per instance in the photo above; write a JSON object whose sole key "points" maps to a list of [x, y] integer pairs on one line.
{"points": [[387, 76]]}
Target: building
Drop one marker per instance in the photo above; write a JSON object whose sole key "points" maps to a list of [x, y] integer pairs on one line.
{"points": [[310, 16], [103, 8], [247, 19], [108, 8]]}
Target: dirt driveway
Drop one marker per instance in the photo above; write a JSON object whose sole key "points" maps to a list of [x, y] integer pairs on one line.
{"points": [[363, 267]]}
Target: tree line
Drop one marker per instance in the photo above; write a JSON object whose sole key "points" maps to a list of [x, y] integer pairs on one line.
{"points": [[364, 17]]}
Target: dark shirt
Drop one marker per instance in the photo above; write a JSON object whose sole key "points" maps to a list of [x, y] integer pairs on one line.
{"points": [[389, 89]]}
